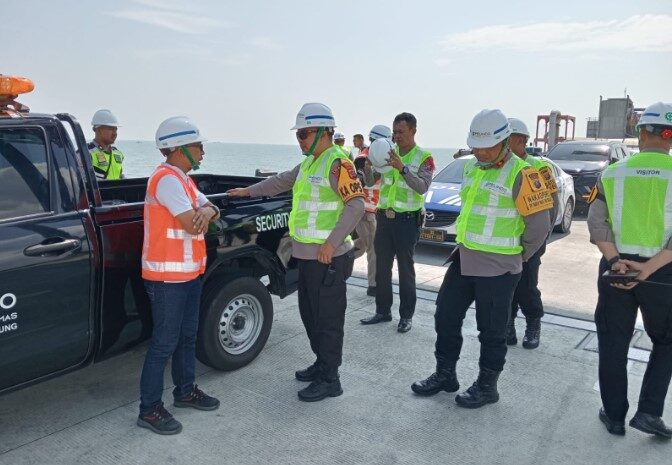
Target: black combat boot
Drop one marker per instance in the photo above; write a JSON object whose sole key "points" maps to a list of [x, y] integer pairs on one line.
{"points": [[309, 374], [324, 386], [443, 379], [511, 337], [532, 333], [483, 391]]}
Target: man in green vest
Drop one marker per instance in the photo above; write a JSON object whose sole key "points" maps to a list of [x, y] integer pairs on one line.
{"points": [[527, 294], [630, 221], [107, 160], [503, 221], [327, 204], [399, 218]]}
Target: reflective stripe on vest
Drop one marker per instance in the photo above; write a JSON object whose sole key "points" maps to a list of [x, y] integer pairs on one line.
{"points": [[169, 252], [489, 220], [111, 167], [638, 192], [316, 208], [394, 192]]}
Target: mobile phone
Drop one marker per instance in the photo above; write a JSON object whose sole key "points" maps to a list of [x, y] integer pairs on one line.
{"points": [[615, 277]]}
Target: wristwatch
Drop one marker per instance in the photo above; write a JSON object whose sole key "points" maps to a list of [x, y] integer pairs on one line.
{"points": [[405, 170]]}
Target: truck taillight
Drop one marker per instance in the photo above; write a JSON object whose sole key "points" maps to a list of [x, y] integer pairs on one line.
{"points": [[15, 85]]}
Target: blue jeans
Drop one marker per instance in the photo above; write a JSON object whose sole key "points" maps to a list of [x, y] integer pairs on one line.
{"points": [[175, 308]]}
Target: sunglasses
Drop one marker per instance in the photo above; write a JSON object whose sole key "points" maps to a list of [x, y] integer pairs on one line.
{"points": [[302, 134]]}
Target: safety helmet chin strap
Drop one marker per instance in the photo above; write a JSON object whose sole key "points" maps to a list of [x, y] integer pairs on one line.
{"points": [[484, 165], [194, 165], [318, 135]]}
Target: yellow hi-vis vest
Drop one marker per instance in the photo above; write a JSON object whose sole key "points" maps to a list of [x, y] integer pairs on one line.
{"points": [[638, 191], [489, 220], [394, 192], [106, 165], [316, 208]]}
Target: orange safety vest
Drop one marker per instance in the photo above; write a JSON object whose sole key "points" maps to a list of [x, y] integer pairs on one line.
{"points": [[169, 253], [371, 194]]}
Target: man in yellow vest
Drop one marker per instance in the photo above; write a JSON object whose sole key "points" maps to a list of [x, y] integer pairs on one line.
{"points": [[527, 294], [630, 221], [327, 204], [176, 216], [106, 159], [399, 218], [503, 222]]}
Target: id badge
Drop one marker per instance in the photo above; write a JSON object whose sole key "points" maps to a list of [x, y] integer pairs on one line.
{"points": [[390, 214]]}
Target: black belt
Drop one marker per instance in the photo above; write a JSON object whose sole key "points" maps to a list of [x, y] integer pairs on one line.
{"points": [[391, 214]]}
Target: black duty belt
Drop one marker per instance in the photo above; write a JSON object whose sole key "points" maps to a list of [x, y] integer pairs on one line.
{"points": [[390, 214]]}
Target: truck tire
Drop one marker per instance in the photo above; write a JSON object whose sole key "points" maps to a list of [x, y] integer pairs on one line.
{"points": [[236, 319]]}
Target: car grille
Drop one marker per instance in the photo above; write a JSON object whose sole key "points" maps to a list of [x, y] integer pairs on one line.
{"points": [[436, 218]]}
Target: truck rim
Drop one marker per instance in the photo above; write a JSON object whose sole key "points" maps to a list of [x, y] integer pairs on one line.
{"points": [[240, 324]]}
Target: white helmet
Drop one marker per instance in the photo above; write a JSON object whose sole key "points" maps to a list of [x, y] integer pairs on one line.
{"points": [[104, 118], [314, 115], [380, 130], [658, 114], [518, 127], [339, 136], [488, 128], [176, 132], [379, 154]]}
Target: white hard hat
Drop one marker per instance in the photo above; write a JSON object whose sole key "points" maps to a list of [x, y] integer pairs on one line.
{"points": [[314, 115], [380, 130], [488, 128], [379, 154], [658, 114], [176, 132], [518, 127], [339, 135], [104, 118]]}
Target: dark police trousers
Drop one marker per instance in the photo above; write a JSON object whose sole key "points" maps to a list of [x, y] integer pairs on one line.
{"points": [[527, 294], [396, 237], [493, 305], [322, 304], [615, 317]]}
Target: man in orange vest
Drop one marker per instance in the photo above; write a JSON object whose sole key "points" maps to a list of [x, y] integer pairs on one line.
{"points": [[176, 217], [366, 228]]}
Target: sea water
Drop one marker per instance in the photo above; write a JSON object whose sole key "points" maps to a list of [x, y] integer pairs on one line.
{"points": [[141, 157]]}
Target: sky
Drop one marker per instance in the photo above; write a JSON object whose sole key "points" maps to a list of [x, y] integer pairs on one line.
{"points": [[241, 70]]}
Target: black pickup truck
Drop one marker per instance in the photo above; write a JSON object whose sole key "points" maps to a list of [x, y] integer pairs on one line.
{"points": [[70, 248]]}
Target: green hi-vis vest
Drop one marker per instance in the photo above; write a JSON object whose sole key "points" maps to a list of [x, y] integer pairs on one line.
{"points": [[107, 165], [394, 192], [316, 208], [536, 163], [489, 220], [638, 191]]}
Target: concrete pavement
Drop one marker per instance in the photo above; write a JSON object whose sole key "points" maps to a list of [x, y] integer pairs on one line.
{"points": [[547, 413]]}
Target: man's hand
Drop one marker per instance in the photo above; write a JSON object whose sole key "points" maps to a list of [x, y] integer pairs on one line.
{"points": [[395, 161], [326, 253], [623, 266], [239, 192], [202, 218]]}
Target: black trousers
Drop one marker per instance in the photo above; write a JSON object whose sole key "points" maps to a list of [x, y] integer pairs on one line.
{"points": [[527, 294], [396, 237], [322, 304], [493, 305], [615, 318]]}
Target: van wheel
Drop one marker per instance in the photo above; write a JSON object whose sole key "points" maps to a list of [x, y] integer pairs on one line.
{"points": [[566, 222], [236, 320]]}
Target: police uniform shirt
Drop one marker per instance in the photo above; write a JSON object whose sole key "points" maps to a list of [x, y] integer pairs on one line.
{"points": [[352, 212]]}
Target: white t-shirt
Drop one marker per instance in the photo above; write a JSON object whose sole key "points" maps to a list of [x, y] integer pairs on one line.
{"points": [[171, 194]]}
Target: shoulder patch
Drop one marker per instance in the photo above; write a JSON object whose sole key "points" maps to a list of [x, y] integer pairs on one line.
{"points": [[429, 163], [349, 186], [533, 197], [547, 175], [593, 195]]}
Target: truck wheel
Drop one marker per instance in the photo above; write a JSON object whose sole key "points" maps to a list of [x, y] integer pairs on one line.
{"points": [[236, 319]]}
